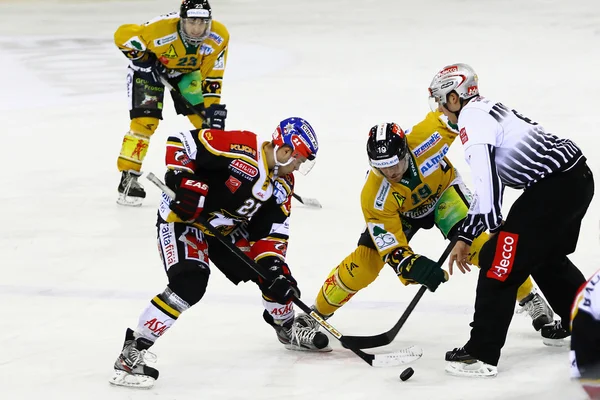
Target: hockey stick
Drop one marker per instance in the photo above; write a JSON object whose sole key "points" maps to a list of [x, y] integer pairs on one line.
{"points": [[307, 201], [383, 339], [403, 356]]}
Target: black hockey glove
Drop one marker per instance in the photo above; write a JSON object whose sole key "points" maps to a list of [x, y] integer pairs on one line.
{"points": [[150, 65], [214, 117], [415, 268], [189, 198], [281, 285]]}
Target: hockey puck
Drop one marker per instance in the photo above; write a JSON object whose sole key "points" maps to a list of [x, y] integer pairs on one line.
{"points": [[406, 374]]}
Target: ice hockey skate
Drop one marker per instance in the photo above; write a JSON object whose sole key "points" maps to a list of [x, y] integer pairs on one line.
{"points": [[131, 192], [540, 312], [130, 368], [299, 334], [463, 364], [555, 335]]}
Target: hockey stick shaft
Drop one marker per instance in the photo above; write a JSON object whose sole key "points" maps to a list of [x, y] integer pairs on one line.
{"points": [[383, 339], [309, 202], [204, 224]]}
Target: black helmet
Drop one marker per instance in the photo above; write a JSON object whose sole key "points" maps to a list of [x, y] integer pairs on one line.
{"points": [[195, 9], [386, 145]]}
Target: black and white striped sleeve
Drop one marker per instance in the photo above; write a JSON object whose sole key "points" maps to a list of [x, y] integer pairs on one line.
{"points": [[486, 209]]}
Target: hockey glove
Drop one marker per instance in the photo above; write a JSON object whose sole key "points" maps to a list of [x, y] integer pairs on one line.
{"points": [[189, 198], [281, 285], [416, 268], [214, 117], [150, 65]]}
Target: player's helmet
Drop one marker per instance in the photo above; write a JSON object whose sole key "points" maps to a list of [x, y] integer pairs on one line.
{"points": [[386, 145], [459, 78], [195, 12], [301, 137]]}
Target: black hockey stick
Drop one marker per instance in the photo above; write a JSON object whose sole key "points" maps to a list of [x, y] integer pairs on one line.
{"points": [[307, 201], [383, 339], [403, 356]]}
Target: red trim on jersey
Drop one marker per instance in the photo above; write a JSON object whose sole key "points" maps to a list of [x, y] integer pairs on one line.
{"points": [[176, 157], [268, 247], [236, 142]]}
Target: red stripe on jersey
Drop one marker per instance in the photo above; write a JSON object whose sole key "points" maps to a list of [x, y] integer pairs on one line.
{"points": [[268, 247], [176, 157], [236, 142]]}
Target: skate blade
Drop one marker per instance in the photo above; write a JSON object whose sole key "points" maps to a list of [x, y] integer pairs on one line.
{"points": [[294, 347], [478, 369], [122, 378], [129, 201], [556, 342]]}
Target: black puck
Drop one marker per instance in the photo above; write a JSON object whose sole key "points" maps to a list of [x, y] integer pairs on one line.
{"points": [[407, 373]]}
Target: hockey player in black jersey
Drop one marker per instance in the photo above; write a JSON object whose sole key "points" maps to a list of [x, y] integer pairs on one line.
{"points": [[506, 149], [244, 189]]}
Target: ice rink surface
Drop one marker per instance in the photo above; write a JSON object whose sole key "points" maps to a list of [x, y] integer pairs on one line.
{"points": [[77, 269]]}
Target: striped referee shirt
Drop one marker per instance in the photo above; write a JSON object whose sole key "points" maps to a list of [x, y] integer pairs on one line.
{"points": [[505, 148]]}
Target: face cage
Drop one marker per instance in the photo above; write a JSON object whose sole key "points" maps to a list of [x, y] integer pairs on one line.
{"points": [[195, 41]]}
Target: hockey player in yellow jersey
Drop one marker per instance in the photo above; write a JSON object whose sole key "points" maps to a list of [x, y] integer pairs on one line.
{"points": [[189, 49], [411, 186]]}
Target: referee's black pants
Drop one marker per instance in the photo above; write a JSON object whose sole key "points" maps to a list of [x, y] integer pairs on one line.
{"points": [[540, 230]]}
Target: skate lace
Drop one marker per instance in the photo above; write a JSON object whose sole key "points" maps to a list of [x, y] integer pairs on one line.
{"points": [[534, 307], [140, 357], [131, 181], [302, 335]]}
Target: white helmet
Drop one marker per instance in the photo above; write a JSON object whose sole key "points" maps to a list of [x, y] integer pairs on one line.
{"points": [[459, 78]]}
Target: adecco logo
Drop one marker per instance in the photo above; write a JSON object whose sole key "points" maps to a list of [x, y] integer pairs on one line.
{"points": [[506, 249]]}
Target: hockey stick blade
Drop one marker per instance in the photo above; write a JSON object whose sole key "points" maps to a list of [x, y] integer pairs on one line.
{"points": [[375, 360], [307, 201], [383, 339]]}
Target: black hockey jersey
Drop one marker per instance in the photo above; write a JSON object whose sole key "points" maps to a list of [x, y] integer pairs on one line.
{"points": [[241, 189]]}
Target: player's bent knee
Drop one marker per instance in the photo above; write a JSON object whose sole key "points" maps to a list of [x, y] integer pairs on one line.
{"points": [[188, 280]]}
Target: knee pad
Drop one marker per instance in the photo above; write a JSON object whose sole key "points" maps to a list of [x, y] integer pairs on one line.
{"points": [[188, 280], [354, 273]]}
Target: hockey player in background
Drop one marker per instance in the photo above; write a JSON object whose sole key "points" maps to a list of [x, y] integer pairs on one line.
{"points": [[244, 189], [585, 337], [505, 148], [411, 186], [189, 48]]}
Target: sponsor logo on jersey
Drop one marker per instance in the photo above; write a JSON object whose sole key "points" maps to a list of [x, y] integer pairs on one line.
{"points": [[399, 199], [382, 238], [382, 193], [135, 43], [233, 184], [206, 49], [169, 54], [220, 62], [463, 135], [244, 169], [433, 162], [242, 149], [165, 39], [427, 144], [216, 38], [504, 259]]}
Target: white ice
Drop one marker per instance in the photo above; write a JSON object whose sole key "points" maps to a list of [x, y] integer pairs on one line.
{"points": [[77, 269]]}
